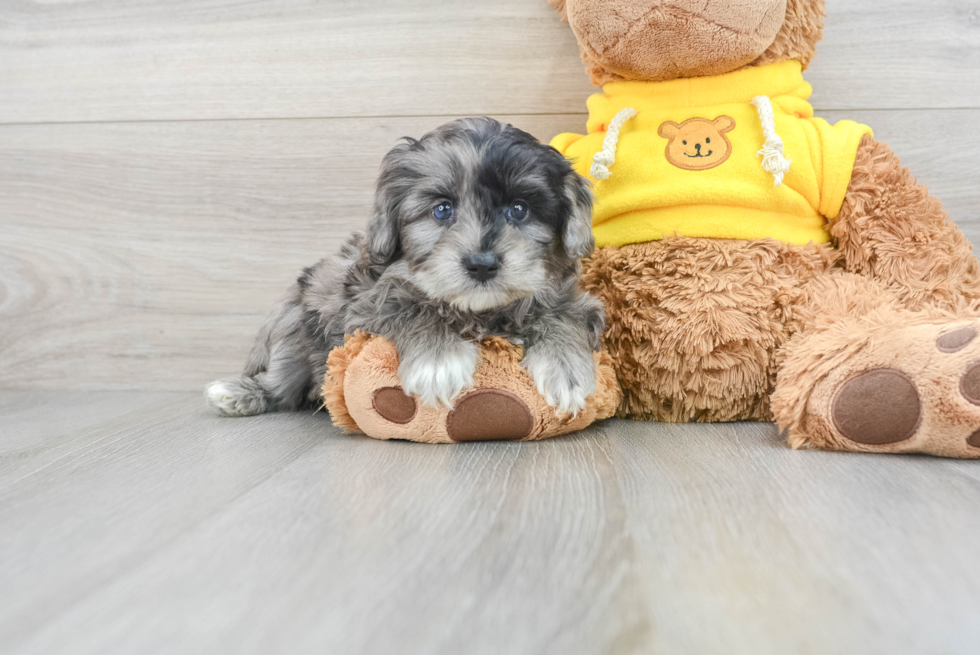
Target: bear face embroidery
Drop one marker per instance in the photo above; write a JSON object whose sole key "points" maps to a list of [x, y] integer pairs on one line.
{"points": [[698, 144]]}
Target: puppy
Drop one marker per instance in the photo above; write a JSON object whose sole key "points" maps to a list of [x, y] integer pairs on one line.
{"points": [[477, 231]]}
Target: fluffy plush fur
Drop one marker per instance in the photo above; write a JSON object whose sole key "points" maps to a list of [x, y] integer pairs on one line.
{"points": [[891, 229], [478, 231], [878, 328], [694, 324]]}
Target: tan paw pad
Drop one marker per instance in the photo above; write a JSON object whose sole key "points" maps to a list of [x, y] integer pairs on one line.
{"points": [[393, 405], [970, 384], [877, 407], [489, 415], [957, 340]]}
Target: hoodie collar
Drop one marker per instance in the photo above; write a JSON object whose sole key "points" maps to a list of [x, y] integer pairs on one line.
{"points": [[773, 80]]}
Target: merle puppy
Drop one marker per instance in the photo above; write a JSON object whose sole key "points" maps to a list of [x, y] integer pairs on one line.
{"points": [[477, 231]]}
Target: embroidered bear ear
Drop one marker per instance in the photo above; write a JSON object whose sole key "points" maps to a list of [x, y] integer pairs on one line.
{"points": [[670, 129], [724, 124]]}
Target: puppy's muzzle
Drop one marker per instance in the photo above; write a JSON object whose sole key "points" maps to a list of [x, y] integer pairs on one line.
{"points": [[482, 266]]}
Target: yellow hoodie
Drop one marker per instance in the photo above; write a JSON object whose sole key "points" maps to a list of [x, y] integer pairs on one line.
{"points": [[688, 160]]}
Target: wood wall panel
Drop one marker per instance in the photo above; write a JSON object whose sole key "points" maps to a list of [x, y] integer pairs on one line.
{"points": [[96, 60], [145, 255]]}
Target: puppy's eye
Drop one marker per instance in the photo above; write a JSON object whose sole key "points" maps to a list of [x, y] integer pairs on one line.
{"points": [[685, 143], [443, 211], [517, 211], [708, 140]]}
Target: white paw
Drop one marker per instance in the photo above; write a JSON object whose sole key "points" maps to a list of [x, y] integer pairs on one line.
{"points": [[234, 397], [438, 379], [564, 382], [221, 397]]}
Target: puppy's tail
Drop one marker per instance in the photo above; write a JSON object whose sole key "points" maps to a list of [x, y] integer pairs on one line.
{"points": [[237, 397]]}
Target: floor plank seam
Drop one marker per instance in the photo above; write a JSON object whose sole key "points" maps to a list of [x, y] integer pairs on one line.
{"points": [[571, 112]]}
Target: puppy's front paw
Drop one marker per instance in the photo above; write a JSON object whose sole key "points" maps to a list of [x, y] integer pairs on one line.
{"points": [[440, 376], [564, 380]]}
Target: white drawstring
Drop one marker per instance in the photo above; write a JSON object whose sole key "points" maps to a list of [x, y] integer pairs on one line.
{"points": [[607, 156], [773, 158]]}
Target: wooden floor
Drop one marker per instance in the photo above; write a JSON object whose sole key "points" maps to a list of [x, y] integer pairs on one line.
{"points": [[167, 167], [140, 523]]}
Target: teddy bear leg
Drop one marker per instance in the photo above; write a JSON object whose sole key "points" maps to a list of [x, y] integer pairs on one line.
{"points": [[870, 376], [693, 324]]}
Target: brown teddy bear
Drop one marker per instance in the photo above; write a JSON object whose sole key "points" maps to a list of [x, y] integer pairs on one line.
{"points": [[756, 262]]}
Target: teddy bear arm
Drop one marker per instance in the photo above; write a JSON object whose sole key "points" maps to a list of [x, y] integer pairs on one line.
{"points": [[891, 229]]}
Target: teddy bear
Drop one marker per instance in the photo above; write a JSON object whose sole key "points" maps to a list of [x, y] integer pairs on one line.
{"points": [[756, 262]]}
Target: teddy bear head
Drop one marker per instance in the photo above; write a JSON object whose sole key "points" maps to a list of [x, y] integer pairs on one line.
{"points": [[660, 40]]}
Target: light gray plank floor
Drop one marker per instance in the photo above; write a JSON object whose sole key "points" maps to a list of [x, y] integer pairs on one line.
{"points": [[140, 523]]}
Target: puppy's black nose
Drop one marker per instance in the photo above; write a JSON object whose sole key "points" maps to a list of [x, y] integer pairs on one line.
{"points": [[697, 147], [482, 266]]}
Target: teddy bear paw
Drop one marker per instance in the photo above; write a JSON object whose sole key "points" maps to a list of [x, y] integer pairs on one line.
{"points": [[924, 397], [363, 393]]}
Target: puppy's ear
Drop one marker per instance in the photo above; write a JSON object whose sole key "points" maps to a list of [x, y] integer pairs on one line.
{"points": [[395, 180], [577, 236], [383, 235]]}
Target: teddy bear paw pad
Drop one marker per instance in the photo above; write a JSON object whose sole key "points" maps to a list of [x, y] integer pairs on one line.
{"points": [[970, 388], [974, 439], [877, 407], [489, 414], [970, 384], [393, 405], [957, 340]]}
